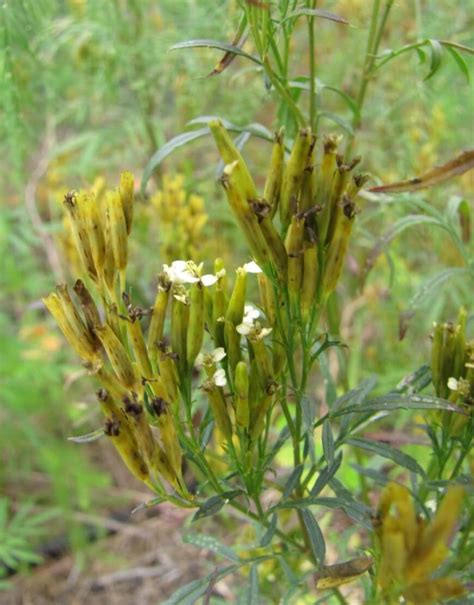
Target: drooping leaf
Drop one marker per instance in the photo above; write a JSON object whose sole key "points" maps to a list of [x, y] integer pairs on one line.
{"points": [[386, 451], [455, 167], [460, 62], [238, 41], [207, 43], [326, 475], [338, 574], [436, 57], [316, 538], [93, 436], [210, 543], [316, 12], [270, 532], [214, 504]]}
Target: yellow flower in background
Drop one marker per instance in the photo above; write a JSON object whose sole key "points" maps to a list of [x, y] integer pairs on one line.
{"points": [[411, 550]]}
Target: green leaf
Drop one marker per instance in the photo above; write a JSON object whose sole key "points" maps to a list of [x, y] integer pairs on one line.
{"points": [[326, 475], [292, 482], [386, 451], [334, 117], [436, 57], [206, 43], [308, 409], [210, 543], [254, 128], [316, 539], [214, 504], [253, 591], [190, 593], [316, 12], [460, 62], [270, 532], [328, 442], [94, 436], [167, 149], [434, 283], [398, 401]]}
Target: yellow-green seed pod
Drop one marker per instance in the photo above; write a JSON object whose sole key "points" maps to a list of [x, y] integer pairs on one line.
{"points": [[255, 387], [258, 419], [232, 345], [109, 406], [164, 468], [241, 388], [447, 367], [293, 175], [231, 155], [220, 271], [437, 356], [310, 280], [264, 362], [168, 434], [219, 308], [195, 333], [137, 342], [271, 192], [109, 270], [127, 447], [235, 309], [308, 185], [117, 230], [75, 321], [273, 239], [337, 250], [110, 383], [219, 409], [179, 326], [356, 183], [294, 247], [126, 190], [82, 347], [239, 202], [88, 306], [326, 184], [74, 206], [95, 229], [137, 419], [117, 355], [157, 322], [267, 297], [168, 374], [459, 360]]}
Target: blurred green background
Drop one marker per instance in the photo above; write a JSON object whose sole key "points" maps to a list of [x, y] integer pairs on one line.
{"points": [[88, 89]]}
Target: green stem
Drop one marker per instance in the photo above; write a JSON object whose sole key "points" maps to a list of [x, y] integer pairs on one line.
{"points": [[312, 67], [284, 93]]}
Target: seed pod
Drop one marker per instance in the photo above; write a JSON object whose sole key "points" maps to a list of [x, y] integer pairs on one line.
{"points": [[219, 409], [238, 199], [75, 321], [241, 386], [272, 237], [94, 230], [168, 374], [195, 334], [218, 313], [264, 362], [74, 206], [155, 331], [137, 341], [326, 184], [255, 388], [168, 433], [294, 247], [459, 360], [136, 416], [267, 297], [109, 406], [117, 229], [437, 356], [232, 345], [271, 192], [117, 355], [110, 383], [126, 191], [89, 308], [82, 347], [310, 280], [258, 420], [338, 248], [127, 447], [235, 309], [231, 155], [293, 175], [357, 182], [110, 270], [338, 200], [307, 196], [447, 364], [179, 326]]}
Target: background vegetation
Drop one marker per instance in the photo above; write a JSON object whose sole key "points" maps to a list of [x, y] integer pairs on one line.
{"points": [[89, 88]]}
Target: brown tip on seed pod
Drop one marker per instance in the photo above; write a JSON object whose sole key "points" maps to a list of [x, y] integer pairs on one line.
{"points": [[112, 427], [159, 406], [131, 407], [102, 394]]}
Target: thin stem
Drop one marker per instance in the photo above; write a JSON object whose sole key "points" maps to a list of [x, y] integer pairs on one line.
{"points": [[284, 93], [312, 67]]}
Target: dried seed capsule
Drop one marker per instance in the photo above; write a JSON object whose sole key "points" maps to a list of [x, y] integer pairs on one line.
{"points": [[95, 230], [272, 237], [168, 374], [137, 341], [267, 298], [293, 175], [357, 182], [179, 325], [127, 447], [117, 355], [195, 334], [310, 280], [117, 230], [241, 387], [155, 331], [271, 192], [326, 184], [169, 436], [126, 190], [83, 348], [110, 383], [294, 247], [109, 406], [75, 321], [74, 206], [89, 308], [238, 199], [219, 409], [136, 416]]}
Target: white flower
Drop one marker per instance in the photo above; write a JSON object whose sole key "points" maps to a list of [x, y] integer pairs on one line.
{"points": [[252, 267], [209, 359], [453, 384], [247, 325], [219, 378], [187, 272]]}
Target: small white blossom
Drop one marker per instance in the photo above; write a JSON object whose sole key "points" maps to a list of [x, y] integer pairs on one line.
{"points": [[453, 384], [219, 378], [187, 272], [209, 359], [252, 267]]}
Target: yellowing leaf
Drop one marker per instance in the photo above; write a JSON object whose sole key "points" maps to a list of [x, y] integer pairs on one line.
{"points": [[342, 573]]}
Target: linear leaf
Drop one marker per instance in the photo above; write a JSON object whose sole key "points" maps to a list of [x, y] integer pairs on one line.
{"points": [[436, 57], [253, 591], [460, 62], [207, 43], [209, 543], [334, 117], [191, 592], [93, 436], [292, 482], [326, 475], [316, 12], [268, 535], [328, 442], [316, 538], [214, 504], [427, 288], [386, 451]]}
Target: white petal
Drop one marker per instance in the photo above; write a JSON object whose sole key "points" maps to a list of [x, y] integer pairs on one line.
{"points": [[244, 328], [453, 384], [179, 265], [219, 378], [264, 332], [208, 280], [218, 354], [252, 267], [200, 359]]}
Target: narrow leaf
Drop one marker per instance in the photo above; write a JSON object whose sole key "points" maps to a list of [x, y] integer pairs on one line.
{"points": [[326, 475], [436, 57], [328, 442], [94, 436], [334, 117], [332, 576], [292, 482], [238, 41], [384, 450], [455, 167], [460, 62], [214, 504], [317, 12], [316, 539], [209, 543], [268, 535], [206, 43], [253, 592]]}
